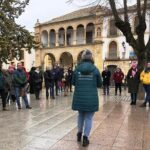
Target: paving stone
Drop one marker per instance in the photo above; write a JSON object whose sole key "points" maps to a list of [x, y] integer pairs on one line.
{"points": [[52, 125]]}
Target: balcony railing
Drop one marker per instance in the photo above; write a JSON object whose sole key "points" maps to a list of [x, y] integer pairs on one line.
{"points": [[112, 35], [112, 58]]}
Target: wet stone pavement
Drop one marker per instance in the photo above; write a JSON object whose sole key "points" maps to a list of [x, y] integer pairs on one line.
{"points": [[51, 125]]}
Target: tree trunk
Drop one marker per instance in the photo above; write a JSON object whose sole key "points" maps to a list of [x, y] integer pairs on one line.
{"points": [[142, 58]]}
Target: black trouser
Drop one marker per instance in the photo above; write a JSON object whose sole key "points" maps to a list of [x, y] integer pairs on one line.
{"points": [[47, 92], [70, 86], [56, 87], [106, 89], [134, 97], [3, 97], [37, 93], [147, 90], [117, 86], [51, 88]]}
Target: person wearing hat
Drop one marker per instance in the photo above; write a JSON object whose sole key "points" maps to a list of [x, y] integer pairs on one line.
{"points": [[86, 79], [133, 80]]}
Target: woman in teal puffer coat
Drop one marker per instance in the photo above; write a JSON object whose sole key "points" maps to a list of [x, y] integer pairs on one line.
{"points": [[86, 79]]}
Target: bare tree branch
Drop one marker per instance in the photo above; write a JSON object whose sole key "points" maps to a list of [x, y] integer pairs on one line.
{"points": [[139, 8], [114, 10], [144, 8], [126, 18], [141, 27]]}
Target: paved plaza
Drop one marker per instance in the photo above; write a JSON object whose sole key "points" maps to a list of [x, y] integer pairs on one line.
{"points": [[51, 125]]}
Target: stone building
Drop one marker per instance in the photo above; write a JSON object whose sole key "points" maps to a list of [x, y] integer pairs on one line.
{"points": [[63, 39]]}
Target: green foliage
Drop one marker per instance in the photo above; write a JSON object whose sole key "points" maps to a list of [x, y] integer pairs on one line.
{"points": [[13, 37]]}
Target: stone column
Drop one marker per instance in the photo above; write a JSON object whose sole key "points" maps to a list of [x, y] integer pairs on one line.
{"points": [[57, 42], [74, 64], [84, 35], [65, 37], [74, 37], [48, 40]]}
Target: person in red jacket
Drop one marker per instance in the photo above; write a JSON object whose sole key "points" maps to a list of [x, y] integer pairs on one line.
{"points": [[118, 77]]}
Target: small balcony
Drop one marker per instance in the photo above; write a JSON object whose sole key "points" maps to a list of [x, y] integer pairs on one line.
{"points": [[112, 58]]}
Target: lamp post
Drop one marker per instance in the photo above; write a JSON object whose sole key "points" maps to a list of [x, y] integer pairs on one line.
{"points": [[124, 50]]}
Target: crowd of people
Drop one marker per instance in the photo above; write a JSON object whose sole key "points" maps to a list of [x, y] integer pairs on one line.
{"points": [[117, 77], [133, 78], [13, 85], [17, 82]]}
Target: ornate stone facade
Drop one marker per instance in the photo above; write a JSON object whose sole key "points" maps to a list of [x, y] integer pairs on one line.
{"points": [[63, 39]]}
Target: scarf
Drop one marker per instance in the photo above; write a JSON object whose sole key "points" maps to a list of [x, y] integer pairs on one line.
{"points": [[133, 72]]}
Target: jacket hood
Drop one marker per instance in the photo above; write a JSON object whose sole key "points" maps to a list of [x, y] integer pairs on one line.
{"points": [[86, 67]]}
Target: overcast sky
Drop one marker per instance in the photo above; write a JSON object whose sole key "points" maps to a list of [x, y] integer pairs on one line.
{"points": [[44, 10]]}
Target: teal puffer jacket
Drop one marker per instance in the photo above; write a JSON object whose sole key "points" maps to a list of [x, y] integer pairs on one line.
{"points": [[86, 79]]}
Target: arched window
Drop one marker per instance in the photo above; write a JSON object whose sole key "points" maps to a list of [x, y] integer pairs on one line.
{"points": [[44, 39], [113, 29], [90, 33], [98, 32], [112, 50], [52, 38], [61, 37], [70, 35], [80, 34], [49, 60], [66, 59]]}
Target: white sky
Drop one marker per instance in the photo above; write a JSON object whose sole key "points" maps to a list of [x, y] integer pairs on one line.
{"points": [[44, 10]]}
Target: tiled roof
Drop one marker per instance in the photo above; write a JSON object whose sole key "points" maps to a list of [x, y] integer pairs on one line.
{"points": [[85, 12]]}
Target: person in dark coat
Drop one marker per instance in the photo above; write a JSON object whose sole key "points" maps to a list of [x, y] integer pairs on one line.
{"points": [[2, 88], [86, 79], [31, 80], [56, 71], [49, 83], [70, 74], [106, 74], [37, 79], [19, 82], [118, 76], [133, 80], [41, 76]]}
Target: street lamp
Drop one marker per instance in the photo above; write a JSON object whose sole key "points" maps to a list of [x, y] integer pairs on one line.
{"points": [[124, 49]]}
